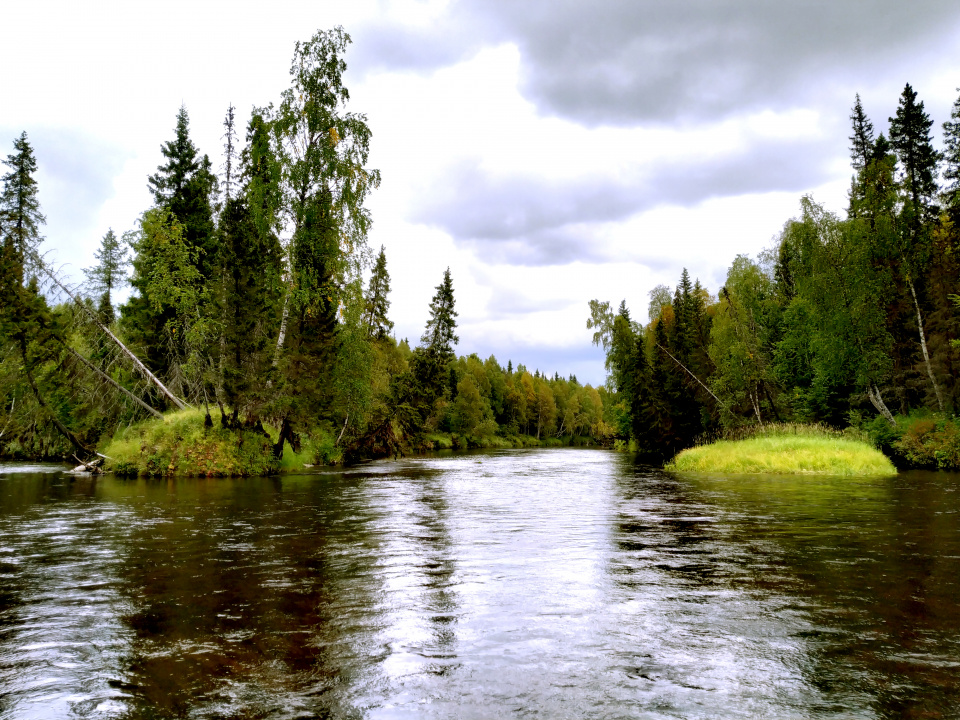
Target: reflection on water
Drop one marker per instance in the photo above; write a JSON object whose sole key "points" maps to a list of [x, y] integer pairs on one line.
{"points": [[543, 583]]}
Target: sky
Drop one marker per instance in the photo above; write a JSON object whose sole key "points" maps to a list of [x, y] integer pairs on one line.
{"points": [[548, 152]]}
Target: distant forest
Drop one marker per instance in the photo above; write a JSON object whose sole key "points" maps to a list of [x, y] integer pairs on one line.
{"points": [[249, 301], [850, 322]]}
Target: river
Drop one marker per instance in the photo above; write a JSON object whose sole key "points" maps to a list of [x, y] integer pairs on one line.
{"points": [[555, 583]]}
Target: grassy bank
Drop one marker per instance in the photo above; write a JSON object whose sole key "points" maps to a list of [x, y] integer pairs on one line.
{"points": [[179, 444], [787, 450]]}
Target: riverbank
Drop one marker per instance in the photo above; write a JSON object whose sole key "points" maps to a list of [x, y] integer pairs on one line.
{"points": [[180, 444], [788, 449]]}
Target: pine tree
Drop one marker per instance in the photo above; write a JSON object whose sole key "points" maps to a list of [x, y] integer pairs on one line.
{"points": [[251, 262], [951, 159], [861, 153], [439, 335], [861, 142], [229, 153], [109, 274], [186, 186], [910, 138], [378, 324], [20, 215]]}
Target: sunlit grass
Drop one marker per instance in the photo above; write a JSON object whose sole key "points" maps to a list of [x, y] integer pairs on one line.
{"points": [[179, 444], [791, 450]]}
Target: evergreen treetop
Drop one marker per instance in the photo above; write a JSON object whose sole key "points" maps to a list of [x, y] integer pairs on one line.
{"points": [[910, 138], [378, 324], [951, 160], [861, 142], [110, 272], [439, 334], [169, 184], [19, 207]]}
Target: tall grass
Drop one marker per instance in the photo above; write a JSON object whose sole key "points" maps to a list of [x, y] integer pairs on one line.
{"points": [[787, 449], [179, 444]]}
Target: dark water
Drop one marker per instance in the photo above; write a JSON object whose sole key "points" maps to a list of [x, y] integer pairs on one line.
{"points": [[529, 584]]}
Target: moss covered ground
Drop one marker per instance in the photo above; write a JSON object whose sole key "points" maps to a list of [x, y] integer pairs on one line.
{"points": [[792, 450]]}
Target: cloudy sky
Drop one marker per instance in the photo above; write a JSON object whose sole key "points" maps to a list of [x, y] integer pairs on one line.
{"points": [[548, 152]]}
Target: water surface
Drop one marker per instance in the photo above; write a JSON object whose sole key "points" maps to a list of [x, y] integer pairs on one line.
{"points": [[538, 583]]}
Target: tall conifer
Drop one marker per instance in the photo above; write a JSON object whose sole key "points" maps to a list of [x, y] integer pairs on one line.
{"points": [[19, 205], [439, 335], [378, 324]]}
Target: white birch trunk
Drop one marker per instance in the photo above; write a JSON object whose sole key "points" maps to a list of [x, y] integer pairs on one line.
{"points": [[923, 346]]}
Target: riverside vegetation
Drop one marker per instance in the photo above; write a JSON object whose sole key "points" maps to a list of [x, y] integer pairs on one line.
{"points": [[257, 335], [782, 449]]}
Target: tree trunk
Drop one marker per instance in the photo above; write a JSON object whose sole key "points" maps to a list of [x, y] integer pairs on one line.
{"points": [[873, 392], [77, 445], [106, 378], [126, 351], [923, 346]]}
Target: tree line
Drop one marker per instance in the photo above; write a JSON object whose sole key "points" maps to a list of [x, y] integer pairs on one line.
{"points": [[846, 320], [249, 301]]}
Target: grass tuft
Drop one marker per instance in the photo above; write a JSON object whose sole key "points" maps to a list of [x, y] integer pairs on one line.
{"points": [[787, 450], [179, 444]]}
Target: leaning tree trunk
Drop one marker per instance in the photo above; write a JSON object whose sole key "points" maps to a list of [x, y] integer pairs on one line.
{"points": [[107, 379], [64, 430], [923, 346], [126, 351], [873, 392]]}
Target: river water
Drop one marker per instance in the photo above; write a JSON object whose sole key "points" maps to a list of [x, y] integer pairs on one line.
{"points": [[530, 584]]}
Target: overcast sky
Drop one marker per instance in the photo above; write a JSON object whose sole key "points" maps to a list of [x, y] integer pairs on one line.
{"points": [[548, 152]]}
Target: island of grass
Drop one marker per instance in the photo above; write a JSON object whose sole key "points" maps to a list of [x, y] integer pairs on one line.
{"points": [[787, 449], [181, 444]]}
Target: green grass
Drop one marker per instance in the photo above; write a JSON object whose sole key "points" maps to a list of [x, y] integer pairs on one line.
{"points": [[179, 444], [787, 450]]}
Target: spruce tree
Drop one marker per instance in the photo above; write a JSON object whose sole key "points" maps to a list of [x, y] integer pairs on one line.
{"points": [[251, 261], [378, 324], [910, 138], [951, 161], [229, 153], [20, 215], [439, 335], [109, 274], [861, 142], [186, 186], [861, 153]]}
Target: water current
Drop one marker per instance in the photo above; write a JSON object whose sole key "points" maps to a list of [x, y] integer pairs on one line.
{"points": [[511, 584]]}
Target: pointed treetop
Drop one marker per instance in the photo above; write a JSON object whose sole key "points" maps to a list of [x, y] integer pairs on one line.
{"points": [[378, 324], [19, 205], [182, 163], [439, 334], [861, 142], [229, 152], [910, 137], [951, 158]]}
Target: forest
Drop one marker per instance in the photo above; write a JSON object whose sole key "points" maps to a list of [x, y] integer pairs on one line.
{"points": [[249, 303], [258, 305], [850, 322]]}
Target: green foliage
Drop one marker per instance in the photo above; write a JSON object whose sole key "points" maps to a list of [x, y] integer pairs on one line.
{"points": [[786, 451], [180, 444], [20, 216], [439, 336]]}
